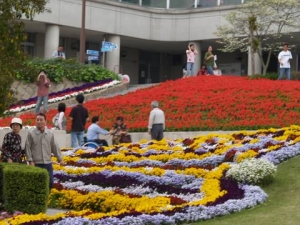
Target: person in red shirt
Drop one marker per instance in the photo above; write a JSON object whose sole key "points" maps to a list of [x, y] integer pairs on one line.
{"points": [[43, 84], [202, 71]]}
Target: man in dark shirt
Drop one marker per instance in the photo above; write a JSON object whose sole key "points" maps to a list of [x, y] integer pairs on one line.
{"points": [[79, 116]]}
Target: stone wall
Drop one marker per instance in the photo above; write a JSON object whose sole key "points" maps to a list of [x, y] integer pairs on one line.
{"points": [[25, 91], [64, 140], [28, 90]]}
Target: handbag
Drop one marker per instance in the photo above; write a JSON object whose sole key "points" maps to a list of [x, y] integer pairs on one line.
{"points": [[125, 139]]}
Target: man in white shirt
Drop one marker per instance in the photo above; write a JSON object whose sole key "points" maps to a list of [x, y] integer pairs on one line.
{"points": [[284, 58], [156, 122], [59, 53]]}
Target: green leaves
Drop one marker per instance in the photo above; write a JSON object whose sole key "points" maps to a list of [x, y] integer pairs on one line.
{"points": [[58, 70], [11, 37]]}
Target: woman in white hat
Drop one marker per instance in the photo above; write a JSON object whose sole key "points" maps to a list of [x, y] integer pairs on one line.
{"points": [[11, 147]]}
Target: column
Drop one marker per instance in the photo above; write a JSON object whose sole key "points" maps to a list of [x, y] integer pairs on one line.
{"points": [[167, 4], [113, 57], [258, 67], [198, 57], [51, 40]]}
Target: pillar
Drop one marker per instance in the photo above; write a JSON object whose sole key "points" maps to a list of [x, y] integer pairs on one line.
{"points": [[258, 67], [51, 40], [198, 57], [113, 57]]}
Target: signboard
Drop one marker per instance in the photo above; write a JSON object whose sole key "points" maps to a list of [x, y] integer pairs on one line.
{"points": [[90, 58], [231, 68], [108, 46], [92, 52]]}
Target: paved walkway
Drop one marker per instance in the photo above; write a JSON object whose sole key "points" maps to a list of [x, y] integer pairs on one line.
{"points": [[52, 212]]}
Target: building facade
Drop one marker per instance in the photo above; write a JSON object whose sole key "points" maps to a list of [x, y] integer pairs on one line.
{"points": [[151, 36]]}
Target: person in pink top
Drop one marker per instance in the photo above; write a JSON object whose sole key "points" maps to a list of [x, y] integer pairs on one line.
{"points": [[43, 84], [190, 54]]}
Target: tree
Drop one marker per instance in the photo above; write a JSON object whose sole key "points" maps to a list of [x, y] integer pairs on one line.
{"points": [[260, 25], [11, 36]]}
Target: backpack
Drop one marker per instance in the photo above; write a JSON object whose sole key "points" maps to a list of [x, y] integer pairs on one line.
{"points": [[55, 120]]}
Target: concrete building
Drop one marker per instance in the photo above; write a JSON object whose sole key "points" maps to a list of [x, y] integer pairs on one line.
{"points": [[151, 35]]}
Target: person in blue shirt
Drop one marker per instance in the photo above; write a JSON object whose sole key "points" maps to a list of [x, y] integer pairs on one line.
{"points": [[94, 130]]}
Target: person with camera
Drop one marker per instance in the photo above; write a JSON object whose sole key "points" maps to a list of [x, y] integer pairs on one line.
{"points": [[190, 54], [43, 85]]}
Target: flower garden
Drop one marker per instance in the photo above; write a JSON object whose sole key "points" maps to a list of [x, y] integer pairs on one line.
{"points": [[177, 181], [166, 182], [201, 103]]}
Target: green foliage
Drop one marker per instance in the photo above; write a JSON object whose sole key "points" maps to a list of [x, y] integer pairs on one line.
{"points": [[270, 76], [24, 188], [58, 69], [253, 171], [11, 37]]}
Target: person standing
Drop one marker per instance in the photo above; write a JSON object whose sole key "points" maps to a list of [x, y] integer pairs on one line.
{"points": [[94, 130], [209, 61], [79, 116], [156, 124], [60, 120], [43, 85], [39, 146], [59, 53], [284, 59], [190, 54], [11, 147]]}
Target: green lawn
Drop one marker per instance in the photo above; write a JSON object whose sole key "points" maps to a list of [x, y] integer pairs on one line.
{"points": [[281, 207]]}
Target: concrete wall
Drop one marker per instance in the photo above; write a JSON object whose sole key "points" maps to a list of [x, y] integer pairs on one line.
{"points": [[64, 140], [28, 90], [137, 22]]}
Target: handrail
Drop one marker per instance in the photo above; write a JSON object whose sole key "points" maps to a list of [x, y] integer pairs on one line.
{"points": [[196, 4]]}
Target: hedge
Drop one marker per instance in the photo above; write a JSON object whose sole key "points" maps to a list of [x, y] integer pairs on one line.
{"points": [[58, 70], [23, 188]]}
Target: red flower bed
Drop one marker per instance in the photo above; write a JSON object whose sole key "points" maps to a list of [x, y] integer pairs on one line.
{"points": [[201, 103]]}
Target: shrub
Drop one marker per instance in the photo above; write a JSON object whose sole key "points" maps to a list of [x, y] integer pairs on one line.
{"points": [[24, 188], [253, 171], [58, 70], [270, 76]]}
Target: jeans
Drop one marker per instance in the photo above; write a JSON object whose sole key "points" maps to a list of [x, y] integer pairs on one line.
{"points": [[190, 69], [41, 99], [49, 168], [210, 70], [77, 136], [283, 71]]}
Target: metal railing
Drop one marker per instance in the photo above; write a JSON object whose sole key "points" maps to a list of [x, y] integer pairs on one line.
{"points": [[181, 4]]}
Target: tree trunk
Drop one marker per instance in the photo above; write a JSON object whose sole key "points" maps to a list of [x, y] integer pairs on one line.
{"points": [[252, 54]]}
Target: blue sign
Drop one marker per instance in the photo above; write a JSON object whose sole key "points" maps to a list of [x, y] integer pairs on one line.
{"points": [[108, 46], [92, 52], [90, 58]]}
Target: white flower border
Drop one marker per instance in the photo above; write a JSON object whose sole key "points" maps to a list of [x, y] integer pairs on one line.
{"points": [[61, 98]]}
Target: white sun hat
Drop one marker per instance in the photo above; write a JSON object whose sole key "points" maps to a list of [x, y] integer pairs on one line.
{"points": [[17, 121]]}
